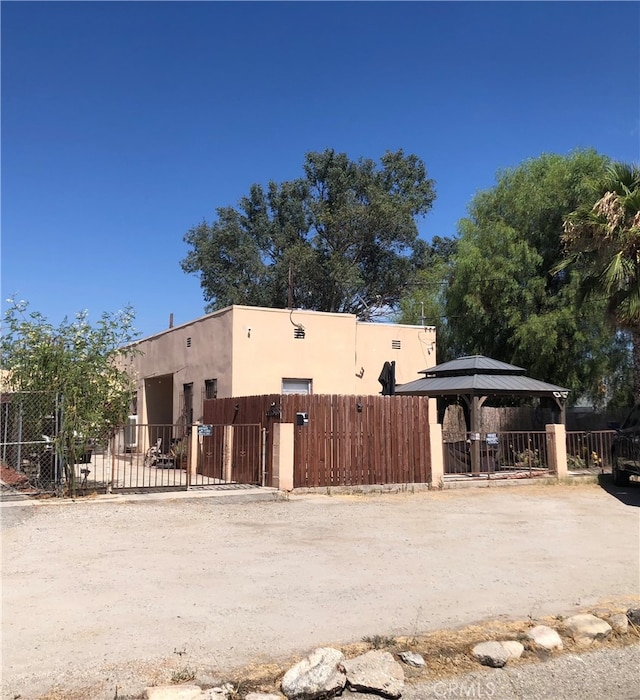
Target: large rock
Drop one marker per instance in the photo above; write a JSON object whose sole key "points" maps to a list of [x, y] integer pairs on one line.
{"points": [[545, 637], [633, 615], [411, 658], [263, 696], [619, 623], [586, 628], [375, 672], [319, 675], [491, 654], [514, 648], [173, 692]]}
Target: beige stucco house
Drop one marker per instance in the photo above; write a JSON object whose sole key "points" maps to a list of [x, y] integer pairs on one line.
{"points": [[246, 351]]}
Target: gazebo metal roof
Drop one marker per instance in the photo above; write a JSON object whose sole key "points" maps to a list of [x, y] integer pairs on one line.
{"points": [[477, 375], [472, 364], [475, 378]]}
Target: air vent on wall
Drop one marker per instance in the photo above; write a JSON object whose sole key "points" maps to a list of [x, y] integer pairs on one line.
{"points": [[189, 342], [395, 345]]}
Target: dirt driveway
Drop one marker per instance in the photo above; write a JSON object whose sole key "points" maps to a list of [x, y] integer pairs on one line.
{"points": [[119, 593]]}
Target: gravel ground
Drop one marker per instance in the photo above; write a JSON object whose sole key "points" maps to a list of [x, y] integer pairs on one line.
{"points": [[605, 674], [104, 593]]}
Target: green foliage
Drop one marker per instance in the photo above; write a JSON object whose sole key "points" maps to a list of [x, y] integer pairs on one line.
{"points": [[84, 364], [602, 243], [344, 235], [504, 299]]}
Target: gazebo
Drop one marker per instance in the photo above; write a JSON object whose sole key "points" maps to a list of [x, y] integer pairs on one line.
{"points": [[475, 379]]}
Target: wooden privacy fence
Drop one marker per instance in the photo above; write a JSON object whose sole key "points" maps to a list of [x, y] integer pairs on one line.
{"points": [[345, 441]]}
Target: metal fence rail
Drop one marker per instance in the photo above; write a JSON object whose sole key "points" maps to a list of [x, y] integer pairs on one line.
{"points": [[589, 449], [498, 455], [144, 457]]}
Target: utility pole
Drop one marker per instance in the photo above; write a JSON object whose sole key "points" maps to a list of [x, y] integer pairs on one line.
{"points": [[290, 291]]}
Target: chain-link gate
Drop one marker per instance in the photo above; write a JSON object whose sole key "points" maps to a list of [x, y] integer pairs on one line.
{"points": [[29, 422]]}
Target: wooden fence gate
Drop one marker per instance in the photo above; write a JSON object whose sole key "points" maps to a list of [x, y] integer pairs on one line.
{"points": [[231, 454], [345, 440]]}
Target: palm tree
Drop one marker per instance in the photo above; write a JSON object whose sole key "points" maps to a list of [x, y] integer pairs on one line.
{"points": [[603, 241]]}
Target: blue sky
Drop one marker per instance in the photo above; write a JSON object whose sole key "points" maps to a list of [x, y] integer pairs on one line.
{"points": [[125, 124]]}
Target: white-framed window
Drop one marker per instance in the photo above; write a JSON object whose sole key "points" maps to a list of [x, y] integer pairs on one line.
{"points": [[296, 386]]}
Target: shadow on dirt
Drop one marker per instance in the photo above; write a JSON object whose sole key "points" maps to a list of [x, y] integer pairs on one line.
{"points": [[629, 495]]}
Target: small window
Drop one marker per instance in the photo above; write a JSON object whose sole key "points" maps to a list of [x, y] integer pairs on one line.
{"points": [[210, 388], [298, 332], [396, 345], [189, 342], [296, 386]]}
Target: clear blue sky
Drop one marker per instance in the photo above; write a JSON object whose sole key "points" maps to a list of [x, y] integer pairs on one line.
{"points": [[125, 124]]}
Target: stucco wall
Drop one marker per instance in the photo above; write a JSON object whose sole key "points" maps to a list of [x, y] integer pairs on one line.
{"points": [[334, 351], [191, 353], [250, 350], [375, 345]]}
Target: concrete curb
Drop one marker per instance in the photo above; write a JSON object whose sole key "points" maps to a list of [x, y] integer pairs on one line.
{"points": [[221, 497]]}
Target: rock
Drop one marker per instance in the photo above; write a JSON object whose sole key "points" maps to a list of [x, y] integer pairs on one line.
{"points": [[545, 637], [218, 693], [173, 692], [514, 649], [633, 615], [619, 623], [263, 696], [587, 628], [411, 658], [491, 654], [319, 675], [375, 672]]}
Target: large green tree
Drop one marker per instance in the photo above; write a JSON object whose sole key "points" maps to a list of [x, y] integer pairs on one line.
{"points": [[504, 299], [602, 242], [342, 238], [85, 365]]}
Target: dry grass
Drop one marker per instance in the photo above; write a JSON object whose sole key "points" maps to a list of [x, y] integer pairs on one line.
{"points": [[446, 652]]}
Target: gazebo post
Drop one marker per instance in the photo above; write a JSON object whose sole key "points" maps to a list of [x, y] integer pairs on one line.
{"points": [[561, 403], [476, 403]]}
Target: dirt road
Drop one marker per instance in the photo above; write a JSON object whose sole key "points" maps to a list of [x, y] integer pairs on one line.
{"points": [[103, 592]]}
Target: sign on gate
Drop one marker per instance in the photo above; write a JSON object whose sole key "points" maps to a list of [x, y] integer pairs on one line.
{"points": [[205, 430]]}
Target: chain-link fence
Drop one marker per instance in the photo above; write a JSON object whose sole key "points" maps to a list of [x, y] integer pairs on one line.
{"points": [[29, 422]]}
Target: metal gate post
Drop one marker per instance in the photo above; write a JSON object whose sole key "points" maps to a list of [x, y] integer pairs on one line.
{"points": [[263, 457], [193, 454]]}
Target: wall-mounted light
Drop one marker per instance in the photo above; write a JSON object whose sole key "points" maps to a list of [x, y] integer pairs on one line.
{"points": [[273, 411]]}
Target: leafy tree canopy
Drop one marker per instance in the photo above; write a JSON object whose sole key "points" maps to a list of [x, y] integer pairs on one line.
{"points": [[602, 242], [503, 298], [85, 365], [343, 237]]}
